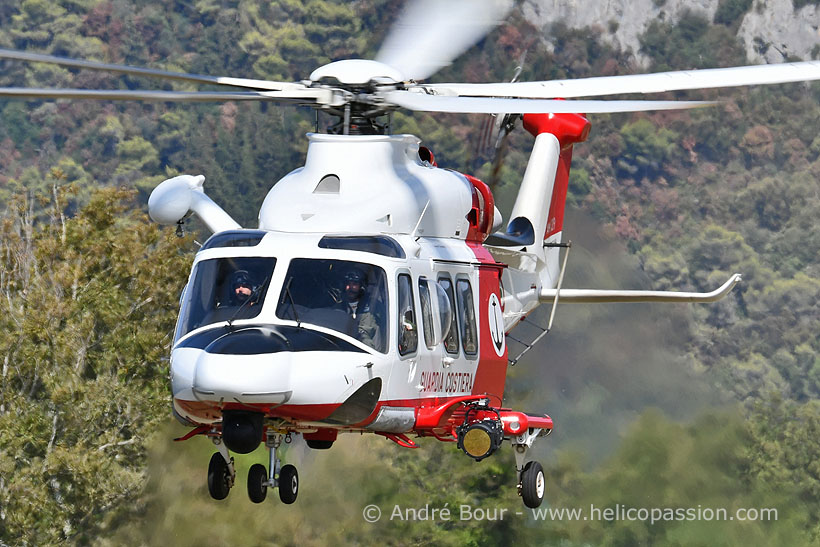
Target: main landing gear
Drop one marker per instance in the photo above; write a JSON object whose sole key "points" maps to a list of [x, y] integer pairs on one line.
{"points": [[531, 481], [222, 474], [484, 428]]}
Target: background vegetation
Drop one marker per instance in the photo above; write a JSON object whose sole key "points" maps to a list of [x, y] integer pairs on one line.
{"points": [[674, 406]]}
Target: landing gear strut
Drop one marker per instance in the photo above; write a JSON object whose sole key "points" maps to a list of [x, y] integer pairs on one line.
{"points": [[531, 481], [284, 477]]}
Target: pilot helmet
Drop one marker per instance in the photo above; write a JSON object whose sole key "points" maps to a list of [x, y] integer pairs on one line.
{"points": [[240, 278], [355, 276]]}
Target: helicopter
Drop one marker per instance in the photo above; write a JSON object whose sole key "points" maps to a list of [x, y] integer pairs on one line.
{"points": [[377, 292]]}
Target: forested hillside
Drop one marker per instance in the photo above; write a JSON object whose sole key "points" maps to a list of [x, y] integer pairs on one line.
{"points": [[655, 406]]}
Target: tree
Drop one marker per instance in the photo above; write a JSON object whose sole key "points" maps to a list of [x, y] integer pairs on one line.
{"points": [[86, 315]]}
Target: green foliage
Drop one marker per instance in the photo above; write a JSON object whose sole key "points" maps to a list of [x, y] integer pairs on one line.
{"points": [[88, 304], [290, 38], [730, 12], [785, 454], [645, 149], [690, 43], [580, 184], [89, 289], [664, 465], [136, 154]]}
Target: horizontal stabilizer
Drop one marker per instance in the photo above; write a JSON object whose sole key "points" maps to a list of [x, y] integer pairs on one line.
{"points": [[594, 296]]}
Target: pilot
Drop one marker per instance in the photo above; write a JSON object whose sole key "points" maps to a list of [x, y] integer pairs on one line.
{"points": [[368, 325], [241, 288], [353, 292]]}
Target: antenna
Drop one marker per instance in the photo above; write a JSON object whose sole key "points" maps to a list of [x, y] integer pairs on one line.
{"points": [[415, 230]]}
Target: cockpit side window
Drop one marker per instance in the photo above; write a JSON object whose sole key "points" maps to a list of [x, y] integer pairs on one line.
{"points": [[225, 289], [408, 332], [451, 342], [464, 294], [345, 296], [426, 312]]}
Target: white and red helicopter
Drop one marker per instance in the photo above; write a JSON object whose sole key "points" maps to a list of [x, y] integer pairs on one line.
{"points": [[377, 291]]}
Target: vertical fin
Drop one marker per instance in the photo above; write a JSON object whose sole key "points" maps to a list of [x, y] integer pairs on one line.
{"points": [[568, 129]]}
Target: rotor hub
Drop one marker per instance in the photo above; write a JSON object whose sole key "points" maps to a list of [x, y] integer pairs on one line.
{"points": [[357, 72]]}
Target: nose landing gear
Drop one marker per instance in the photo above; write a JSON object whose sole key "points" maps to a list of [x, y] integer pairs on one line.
{"points": [[222, 473], [285, 477]]}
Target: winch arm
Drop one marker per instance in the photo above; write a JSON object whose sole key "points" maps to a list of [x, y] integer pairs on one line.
{"points": [[595, 296]]}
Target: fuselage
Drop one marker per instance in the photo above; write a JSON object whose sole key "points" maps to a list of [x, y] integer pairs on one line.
{"points": [[295, 351], [423, 329]]}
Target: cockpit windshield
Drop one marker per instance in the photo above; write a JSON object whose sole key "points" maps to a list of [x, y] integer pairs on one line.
{"points": [[224, 289], [348, 297]]}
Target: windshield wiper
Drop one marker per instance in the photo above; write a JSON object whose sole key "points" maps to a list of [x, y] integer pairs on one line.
{"points": [[251, 296], [292, 303]]}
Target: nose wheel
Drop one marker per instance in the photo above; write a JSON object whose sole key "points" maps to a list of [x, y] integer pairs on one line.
{"points": [[286, 478], [257, 483], [221, 472], [288, 484]]}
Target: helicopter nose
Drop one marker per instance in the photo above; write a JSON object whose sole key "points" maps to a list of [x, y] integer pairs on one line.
{"points": [[261, 378]]}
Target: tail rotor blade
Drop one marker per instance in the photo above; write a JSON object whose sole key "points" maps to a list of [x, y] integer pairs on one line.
{"points": [[505, 128]]}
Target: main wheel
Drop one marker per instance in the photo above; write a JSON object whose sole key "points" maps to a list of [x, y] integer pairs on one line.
{"points": [[319, 445], [533, 484], [288, 484], [257, 477], [219, 477]]}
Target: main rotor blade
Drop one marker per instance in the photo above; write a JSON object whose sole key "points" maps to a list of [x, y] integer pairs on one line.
{"points": [[431, 33], [149, 72], [304, 96], [493, 105], [639, 83]]}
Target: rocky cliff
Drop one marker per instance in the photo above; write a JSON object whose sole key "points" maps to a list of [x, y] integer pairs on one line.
{"points": [[771, 29]]}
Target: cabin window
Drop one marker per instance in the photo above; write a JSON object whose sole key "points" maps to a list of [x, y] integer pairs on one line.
{"points": [[426, 313], [408, 332], [224, 289], [451, 341], [345, 296], [464, 294]]}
